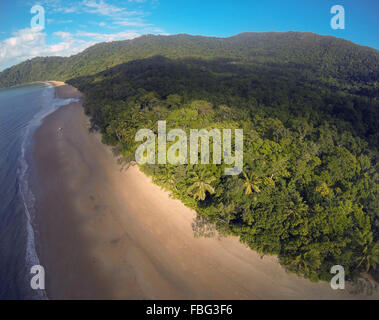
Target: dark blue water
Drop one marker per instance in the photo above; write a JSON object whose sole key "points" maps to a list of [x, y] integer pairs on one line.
{"points": [[21, 112]]}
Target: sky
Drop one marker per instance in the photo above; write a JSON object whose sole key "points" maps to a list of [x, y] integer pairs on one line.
{"points": [[73, 25]]}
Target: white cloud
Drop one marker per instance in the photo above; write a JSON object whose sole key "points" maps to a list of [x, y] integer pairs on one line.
{"points": [[58, 6], [130, 14], [130, 22], [29, 43], [103, 37], [119, 16], [101, 7]]}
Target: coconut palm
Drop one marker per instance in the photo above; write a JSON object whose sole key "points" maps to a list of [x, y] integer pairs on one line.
{"points": [[307, 262], [200, 184], [249, 185], [167, 180], [370, 256]]}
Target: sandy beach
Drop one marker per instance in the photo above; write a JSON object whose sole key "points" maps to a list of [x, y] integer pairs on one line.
{"points": [[107, 233]]}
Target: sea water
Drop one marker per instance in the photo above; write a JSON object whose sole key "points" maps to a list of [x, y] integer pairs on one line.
{"points": [[22, 110]]}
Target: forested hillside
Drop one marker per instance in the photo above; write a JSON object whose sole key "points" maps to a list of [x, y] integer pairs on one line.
{"points": [[326, 56], [309, 187], [309, 108]]}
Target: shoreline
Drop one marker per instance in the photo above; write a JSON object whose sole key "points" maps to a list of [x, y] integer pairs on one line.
{"points": [[25, 174], [104, 233], [52, 82]]}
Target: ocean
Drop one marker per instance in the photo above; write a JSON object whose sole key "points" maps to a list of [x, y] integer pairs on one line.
{"points": [[21, 112]]}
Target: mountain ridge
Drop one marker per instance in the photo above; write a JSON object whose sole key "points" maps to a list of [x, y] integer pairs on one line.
{"points": [[253, 47]]}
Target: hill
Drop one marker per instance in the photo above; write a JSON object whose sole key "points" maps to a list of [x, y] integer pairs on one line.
{"points": [[308, 191], [324, 55], [309, 108]]}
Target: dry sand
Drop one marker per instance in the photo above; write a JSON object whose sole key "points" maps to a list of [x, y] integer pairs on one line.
{"points": [[112, 234]]}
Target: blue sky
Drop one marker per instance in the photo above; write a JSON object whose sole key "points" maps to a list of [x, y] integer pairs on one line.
{"points": [[73, 25]]}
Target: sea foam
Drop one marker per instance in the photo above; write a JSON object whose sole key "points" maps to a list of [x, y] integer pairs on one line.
{"points": [[48, 106]]}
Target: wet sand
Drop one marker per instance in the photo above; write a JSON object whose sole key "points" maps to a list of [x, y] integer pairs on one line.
{"points": [[104, 233]]}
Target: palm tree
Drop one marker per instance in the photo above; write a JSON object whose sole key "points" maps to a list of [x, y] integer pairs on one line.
{"points": [[370, 256], [167, 179], [201, 183], [249, 185], [308, 262]]}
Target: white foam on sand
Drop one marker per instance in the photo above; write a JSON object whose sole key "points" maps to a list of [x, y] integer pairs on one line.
{"points": [[49, 105]]}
